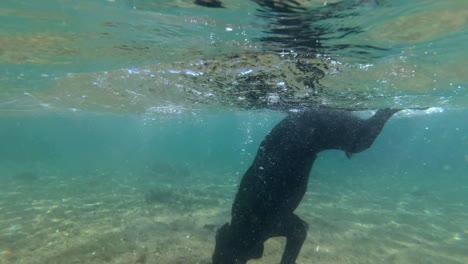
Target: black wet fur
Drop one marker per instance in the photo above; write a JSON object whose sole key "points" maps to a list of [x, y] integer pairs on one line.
{"points": [[209, 3], [275, 183]]}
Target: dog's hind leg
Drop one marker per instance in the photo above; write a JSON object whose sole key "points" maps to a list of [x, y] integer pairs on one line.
{"points": [[295, 231]]}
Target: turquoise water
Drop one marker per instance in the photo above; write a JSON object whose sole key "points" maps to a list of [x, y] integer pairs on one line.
{"points": [[125, 127]]}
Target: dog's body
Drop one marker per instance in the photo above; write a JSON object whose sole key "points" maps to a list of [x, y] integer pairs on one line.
{"points": [[276, 182]]}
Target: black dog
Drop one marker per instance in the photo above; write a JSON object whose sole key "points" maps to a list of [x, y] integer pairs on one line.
{"points": [[276, 182]]}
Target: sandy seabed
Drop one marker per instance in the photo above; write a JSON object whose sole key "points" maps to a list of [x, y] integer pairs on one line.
{"points": [[105, 217]]}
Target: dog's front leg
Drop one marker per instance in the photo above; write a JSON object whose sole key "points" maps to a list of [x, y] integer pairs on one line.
{"points": [[295, 231]]}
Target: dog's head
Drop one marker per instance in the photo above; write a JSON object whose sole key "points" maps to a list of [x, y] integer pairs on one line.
{"points": [[232, 248]]}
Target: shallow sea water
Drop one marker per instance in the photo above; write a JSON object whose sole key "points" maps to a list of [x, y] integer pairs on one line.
{"points": [[125, 127]]}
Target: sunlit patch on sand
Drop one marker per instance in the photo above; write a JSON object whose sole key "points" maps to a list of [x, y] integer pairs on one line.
{"points": [[457, 237], [5, 256], [36, 48], [423, 26]]}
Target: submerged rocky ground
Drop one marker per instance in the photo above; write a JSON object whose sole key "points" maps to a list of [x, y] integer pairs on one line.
{"points": [[103, 217]]}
